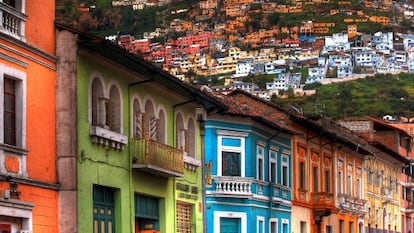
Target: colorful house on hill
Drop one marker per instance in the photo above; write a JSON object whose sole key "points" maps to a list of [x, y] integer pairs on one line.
{"points": [[28, 182], [130, 152], [248, 156]]}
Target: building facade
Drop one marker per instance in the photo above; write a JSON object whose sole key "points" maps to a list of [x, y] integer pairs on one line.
{"points": [[28, 182], [248, 157], [131, 152]]}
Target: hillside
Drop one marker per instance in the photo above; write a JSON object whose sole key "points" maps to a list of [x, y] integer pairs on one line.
{"points": [[100, 17], [375, 96]]}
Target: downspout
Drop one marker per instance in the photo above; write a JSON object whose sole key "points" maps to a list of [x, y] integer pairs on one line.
{"points": [[203, 174], [131, 186]]}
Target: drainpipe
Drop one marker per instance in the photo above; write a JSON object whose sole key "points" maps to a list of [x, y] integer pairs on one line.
{"points": [[273, 181], [203, 173]]}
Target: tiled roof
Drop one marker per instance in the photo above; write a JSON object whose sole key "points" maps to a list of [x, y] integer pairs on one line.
{"points": [[241, 103]]}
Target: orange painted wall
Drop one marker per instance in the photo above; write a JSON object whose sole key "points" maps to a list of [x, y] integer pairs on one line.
{"points": [[40, 113], [44, 211], [40, 29]]}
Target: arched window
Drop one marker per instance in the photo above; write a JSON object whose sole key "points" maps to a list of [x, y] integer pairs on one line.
{"points": [[180, 132], [113, 117], [149, 121], [98, 104], [161, 127], [191, 143]]}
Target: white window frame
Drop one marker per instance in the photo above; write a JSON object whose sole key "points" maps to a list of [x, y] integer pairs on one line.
{"points": [[285, 164], [21, 92], [260, 220], [260, 156], [221, 148], [273, 220], [273, 160], [284, 221], [228, 214], [18, 209]]}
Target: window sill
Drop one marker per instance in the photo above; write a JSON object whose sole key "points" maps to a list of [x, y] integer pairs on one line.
{"points": [[108, 138], [13, 149], [191, 163]]}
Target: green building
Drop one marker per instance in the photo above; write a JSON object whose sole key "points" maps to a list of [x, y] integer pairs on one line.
{"points": [[129, 141]]}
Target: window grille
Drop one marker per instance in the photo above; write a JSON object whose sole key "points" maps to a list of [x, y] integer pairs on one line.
{"points": [[184, 217]]}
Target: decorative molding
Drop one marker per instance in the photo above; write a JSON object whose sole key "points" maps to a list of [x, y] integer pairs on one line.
{"points": [[13, 60]]}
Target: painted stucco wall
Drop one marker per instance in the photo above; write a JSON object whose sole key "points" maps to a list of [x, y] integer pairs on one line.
{"points": [[256, 207], [99, 164]]}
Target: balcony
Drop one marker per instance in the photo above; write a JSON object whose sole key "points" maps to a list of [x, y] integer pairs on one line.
{"points": [[322, 201], [232, 186], [153, 157], [352, 205], [12, 21], [386, 196], [281, 192]]}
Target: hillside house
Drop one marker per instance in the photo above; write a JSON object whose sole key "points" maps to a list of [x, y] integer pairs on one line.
{"points": [[364, 57], [337, 42], [243, 68]]}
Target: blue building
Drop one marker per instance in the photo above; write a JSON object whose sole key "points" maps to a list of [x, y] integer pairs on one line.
{"points": [[249, 174]]}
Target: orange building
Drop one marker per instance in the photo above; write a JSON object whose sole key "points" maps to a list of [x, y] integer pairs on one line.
{"points": [[328, 165], [28, 180]]}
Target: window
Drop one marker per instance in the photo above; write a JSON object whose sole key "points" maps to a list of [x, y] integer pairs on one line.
{"points": [[181, 132], [184, 218], [98, 104], [351, 227], [10, 111], [273, 166], [359, 188], [191, 145], [231, 164], [340, 182], [12, 108], [327, 181], [349, 184], [315, 179], [302, 227], [285, 171], [273, 225], [370, 177], [260, 224], [341, 226], [230, 154], [302, 175], [260, 163], [103, 210], [113, 110], [328, 229]]}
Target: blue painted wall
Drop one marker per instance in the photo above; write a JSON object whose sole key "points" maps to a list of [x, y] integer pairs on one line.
{"points": [[258, 203]]}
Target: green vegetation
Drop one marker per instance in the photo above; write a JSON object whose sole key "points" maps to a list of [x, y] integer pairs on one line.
{"points": [[373, 96]]}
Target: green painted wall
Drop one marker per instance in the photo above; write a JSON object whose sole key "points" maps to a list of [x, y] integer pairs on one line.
{"points": [[112, 168], [98, 164]]}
